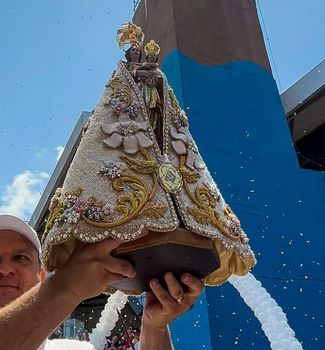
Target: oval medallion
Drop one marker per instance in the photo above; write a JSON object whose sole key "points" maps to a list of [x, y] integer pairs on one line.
{"points": [[169, 177]]}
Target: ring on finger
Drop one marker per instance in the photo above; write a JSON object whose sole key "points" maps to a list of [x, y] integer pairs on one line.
{"points": [[180, 299]]}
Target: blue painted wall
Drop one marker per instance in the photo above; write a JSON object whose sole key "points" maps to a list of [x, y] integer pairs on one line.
{"points": [[237, 120]]}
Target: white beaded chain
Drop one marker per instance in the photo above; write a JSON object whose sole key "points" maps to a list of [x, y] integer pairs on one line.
{"points": [[108, 319], [268, 312]]}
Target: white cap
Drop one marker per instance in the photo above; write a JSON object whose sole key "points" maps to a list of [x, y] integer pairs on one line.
{"points": [[10, 222]]}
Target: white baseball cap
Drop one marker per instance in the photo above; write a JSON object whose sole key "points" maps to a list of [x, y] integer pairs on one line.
{"points": [[11, 222]]}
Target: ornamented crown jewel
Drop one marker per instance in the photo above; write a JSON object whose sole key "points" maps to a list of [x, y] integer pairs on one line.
{"points": [[130, 34], [152, 48]]}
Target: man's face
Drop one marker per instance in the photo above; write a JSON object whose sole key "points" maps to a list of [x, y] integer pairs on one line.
{"points": [[115, 339], [19, 266]]}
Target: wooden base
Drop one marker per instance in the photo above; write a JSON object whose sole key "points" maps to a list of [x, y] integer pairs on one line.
{"points": [[155, 254]]}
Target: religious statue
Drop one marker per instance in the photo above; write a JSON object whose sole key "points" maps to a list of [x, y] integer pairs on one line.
{"points": [[138, 176]]}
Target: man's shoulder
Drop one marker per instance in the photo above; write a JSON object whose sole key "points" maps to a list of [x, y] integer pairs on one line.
{"points": [[68, 344]]}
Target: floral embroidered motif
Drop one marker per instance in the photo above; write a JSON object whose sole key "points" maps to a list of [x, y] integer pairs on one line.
{"points": [[129, 134], [134, 110], [69, 215], [112, 169], [95, 209], [120, 91], [73, 208], [117, 107], [69, 200]]}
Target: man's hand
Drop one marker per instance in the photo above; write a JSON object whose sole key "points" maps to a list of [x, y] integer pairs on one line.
{"points": [[164, 306], [90, 270]]}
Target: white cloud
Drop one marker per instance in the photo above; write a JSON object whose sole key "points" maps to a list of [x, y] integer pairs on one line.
{"points": [[59, 150], [22, 195], [41, 152]]}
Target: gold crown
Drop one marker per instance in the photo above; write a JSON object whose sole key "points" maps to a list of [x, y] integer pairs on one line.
{"points": [[152, 48], [131, 34]]}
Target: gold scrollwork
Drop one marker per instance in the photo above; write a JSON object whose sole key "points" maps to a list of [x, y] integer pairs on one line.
{"points": [[120, 90], [133, 205], [205, 212], [204, 197], [188, 175], [144, 166], [155, 211], [140, 165], [128, 205]]}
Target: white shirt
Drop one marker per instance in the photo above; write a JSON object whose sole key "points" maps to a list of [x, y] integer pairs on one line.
{"points": [[65, 344]]}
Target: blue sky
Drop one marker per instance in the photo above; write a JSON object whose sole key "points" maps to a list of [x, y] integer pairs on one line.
{"points": [[56, 57]]}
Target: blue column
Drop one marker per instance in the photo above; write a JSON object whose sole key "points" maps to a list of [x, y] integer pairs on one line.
{"points": [[237, 120]]}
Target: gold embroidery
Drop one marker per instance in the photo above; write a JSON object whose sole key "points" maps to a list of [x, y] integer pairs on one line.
{"points": [[204, 197], [155, 211], [140, 165], [58, 210], [206, 203], [75, 193], [188, 175], [146, 166], [128, 205], [174, 100], [55, 213], [206, 214], [131, 206], [120, 90], [228, 212], [200, 216]]}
